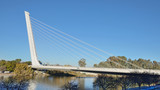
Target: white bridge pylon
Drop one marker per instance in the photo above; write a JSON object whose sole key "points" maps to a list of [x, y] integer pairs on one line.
{"points": [[33, 53]]}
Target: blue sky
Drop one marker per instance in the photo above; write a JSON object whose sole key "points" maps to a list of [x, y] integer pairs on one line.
{"points": [[122, 27]]}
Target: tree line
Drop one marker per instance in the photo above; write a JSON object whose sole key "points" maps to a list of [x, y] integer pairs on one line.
{"points": [[11, 65], [106, 82], [114, 61], [20, 80]]}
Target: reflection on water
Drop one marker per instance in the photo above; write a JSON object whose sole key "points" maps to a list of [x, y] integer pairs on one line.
{"points": [[12, 83], [102, 82], [57, 83]]}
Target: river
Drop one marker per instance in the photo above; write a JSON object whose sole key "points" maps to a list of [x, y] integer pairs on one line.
{"points": [[58, 83], [81, 83]]}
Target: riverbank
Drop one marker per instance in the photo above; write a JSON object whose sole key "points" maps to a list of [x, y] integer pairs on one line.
{"points": [[69, 73], [156, 87], [6, 74]]}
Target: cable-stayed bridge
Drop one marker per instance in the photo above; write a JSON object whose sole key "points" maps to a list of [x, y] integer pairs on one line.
{"points": [[69, 46]]}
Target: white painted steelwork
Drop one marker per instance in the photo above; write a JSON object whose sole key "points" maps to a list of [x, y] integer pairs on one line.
{"points": [[33, 53], [36, 64], [100, 70]]}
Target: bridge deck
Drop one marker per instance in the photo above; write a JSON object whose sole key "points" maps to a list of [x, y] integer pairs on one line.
{"points": [[100, 70]]}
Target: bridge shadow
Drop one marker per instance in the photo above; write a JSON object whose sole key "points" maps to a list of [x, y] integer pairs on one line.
{"points": [[59, 73]]}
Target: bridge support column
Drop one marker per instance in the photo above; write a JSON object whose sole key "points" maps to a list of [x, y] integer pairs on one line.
{"points": [[33, 53]]}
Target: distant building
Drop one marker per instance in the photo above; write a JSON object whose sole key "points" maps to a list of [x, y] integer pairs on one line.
{"points": [[1, 71], [7, 72]]}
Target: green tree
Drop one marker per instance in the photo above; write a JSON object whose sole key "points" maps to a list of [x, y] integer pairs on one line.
{"points": [[18, 60], [105, 82], [28, 62], [82, 62], [155, 65], [2, 68], [138, 79], [23, 72], [2, 62], [124, 82], [122, 60], [95, 65], [10, 65], [20, 81]]}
